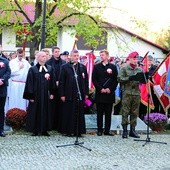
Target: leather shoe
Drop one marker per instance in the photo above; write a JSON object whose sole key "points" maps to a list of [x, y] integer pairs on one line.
{"points": [[45, 134], [99, 133], [2, 134], [34, 134], [69, 135], [108, 134]]}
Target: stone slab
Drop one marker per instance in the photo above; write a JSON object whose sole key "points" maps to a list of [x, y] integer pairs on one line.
{"points": [[91, 123], [7, 129]]}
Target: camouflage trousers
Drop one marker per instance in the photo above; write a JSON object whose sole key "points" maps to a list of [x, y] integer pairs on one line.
{"points": [[130, 109]]}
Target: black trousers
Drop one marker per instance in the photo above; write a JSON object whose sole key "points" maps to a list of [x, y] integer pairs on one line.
{"points": [[2, 113], [104, 109]]}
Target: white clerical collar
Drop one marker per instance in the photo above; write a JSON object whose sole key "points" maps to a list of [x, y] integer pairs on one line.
{"points": [[43, 67]]}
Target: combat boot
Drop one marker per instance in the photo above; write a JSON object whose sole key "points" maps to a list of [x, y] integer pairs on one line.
{"points": [[125, 132], [133, 133]]}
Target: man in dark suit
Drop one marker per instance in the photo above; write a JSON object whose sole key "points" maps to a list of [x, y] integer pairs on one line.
{"points": [[5, 73], [73, 88], [104, 78], [56, 62]]}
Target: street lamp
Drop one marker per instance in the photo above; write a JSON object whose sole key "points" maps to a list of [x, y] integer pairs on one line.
{"points": [[43, 25]]}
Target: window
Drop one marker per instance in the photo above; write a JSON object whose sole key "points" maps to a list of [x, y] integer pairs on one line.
{"points": [[81, 43]]}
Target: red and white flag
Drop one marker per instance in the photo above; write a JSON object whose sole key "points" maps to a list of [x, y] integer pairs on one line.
{"points": [[159, 79], [145, 88], [89, 65]]}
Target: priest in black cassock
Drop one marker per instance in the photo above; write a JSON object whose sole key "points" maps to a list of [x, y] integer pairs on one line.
{"points": [[39, 90], [73, 89]]}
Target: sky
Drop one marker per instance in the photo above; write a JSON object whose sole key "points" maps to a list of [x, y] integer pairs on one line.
{"points": [[155, 12]]}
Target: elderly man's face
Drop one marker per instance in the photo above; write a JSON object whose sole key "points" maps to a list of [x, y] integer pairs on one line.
{"points": [[74, 57], [42, 57]]}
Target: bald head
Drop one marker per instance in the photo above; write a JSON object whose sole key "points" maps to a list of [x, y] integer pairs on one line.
{"points": [[41, 57]]}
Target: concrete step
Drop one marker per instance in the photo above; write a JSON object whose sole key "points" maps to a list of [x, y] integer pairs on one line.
{"points": [[91, 123], [8, 129]]}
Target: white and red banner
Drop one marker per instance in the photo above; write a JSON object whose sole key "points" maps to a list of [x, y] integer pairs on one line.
{"points": [[90, 64], [159, 78]]}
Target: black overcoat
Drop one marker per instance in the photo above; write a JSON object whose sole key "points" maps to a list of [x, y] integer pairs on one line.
{"points": [[5, 73], [67, 81], [105, 76], [39, 88], [73, 111]]}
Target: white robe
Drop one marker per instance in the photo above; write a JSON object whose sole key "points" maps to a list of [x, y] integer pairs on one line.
{"points": [[17, 84]]}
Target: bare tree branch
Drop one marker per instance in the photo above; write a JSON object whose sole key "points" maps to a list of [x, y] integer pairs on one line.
{"points": [[38, 9], [22, 12], [53, 9], [12, 10], [76, 13]]}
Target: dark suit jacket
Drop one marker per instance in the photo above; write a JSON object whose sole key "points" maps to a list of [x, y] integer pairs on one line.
{"points": [[67, 85], [56, 64], [5, 73], [103, 78]]}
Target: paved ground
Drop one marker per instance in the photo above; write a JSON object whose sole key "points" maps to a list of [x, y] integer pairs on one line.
{"points": [[20, 151]]}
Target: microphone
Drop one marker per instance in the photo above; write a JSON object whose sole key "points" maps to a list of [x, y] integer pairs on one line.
{"points": [[140, 63]]}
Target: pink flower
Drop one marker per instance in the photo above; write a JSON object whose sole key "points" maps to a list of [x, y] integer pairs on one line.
{"points": [[2, 65], [87, 102], [109, 71], [47, 76]]}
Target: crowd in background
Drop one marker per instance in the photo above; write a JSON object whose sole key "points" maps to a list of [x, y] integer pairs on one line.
{"points": [[45, 89]]}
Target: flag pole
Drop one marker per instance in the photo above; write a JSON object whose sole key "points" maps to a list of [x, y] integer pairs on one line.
{"points": [[148, 139], [75, 42]]}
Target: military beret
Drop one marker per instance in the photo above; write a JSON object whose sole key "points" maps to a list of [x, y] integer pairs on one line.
{"points": [[133, 55]]}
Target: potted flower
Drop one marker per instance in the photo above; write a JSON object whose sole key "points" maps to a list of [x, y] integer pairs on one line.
{"points": [[16, 118], [156, 121]]}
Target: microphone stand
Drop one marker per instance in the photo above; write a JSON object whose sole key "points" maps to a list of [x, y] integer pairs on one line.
{"points": [[148, 139], [79, 99]]}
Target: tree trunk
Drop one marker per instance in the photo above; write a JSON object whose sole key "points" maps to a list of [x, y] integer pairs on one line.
{"points": [[34, 46]]}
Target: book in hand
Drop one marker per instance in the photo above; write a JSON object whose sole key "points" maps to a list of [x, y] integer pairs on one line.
{"points": [[141, 77]]}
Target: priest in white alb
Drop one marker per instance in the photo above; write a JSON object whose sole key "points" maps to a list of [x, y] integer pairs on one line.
{"points": [[19, 70]]}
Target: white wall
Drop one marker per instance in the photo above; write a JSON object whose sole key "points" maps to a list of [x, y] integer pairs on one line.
{"points": [[120, 44], [66, 40], [8, 39]]}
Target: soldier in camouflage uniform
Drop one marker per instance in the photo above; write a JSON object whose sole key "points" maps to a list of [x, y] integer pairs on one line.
{"points": [[129, 80]]}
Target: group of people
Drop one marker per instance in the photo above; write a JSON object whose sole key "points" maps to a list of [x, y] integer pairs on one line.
{"points": [[53, 91]]}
